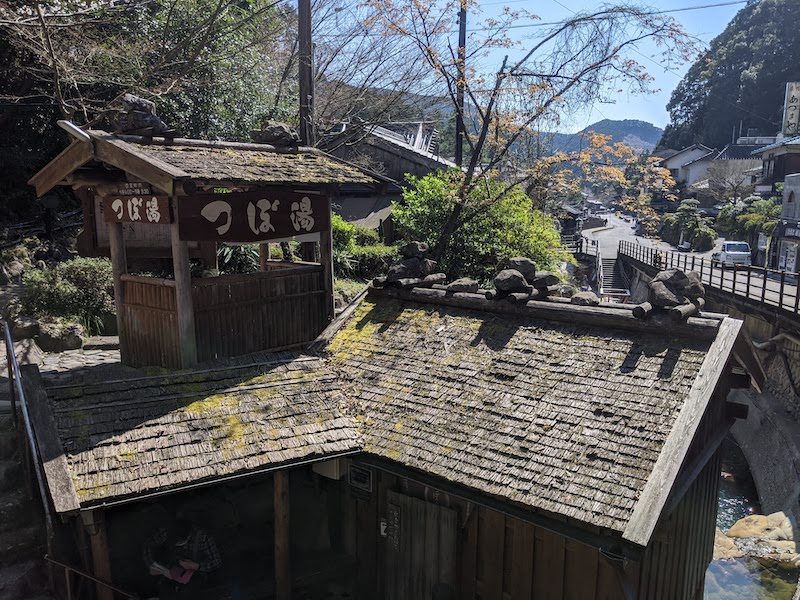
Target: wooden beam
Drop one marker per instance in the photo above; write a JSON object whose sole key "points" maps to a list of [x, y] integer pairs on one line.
{"points": [[101, 564], [130, 159], [598, 316], [654, 496], [283, 573], [119, 267], [73, 157], [691, 471], [184, 304], [326, 258], [745, 354], [51, 453]]}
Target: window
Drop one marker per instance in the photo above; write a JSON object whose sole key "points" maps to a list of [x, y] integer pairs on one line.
{"points": [[791, 198]]}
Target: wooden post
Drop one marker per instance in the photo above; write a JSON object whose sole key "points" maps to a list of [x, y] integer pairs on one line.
{"points": [[183, 296], [283, 572], [326, 258], [119, 267], [263, 255], [101, 565]]}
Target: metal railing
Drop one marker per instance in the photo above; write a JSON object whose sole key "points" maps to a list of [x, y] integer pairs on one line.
{"points": [[69, 570], [765, 286], [32, 450]]}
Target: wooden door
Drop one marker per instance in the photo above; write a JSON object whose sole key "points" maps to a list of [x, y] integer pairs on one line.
{"points": [[420, 560]]}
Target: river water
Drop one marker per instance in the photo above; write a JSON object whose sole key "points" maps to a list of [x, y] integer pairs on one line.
{"points": [[744, 578]]}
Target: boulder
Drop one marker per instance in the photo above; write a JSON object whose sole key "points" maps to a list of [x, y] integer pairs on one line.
{"points": [[724, 547], [661, 295], [465, 284], [585, 299], [40, 253], [428, 266], [695, 289], [410, 267], [413, 249], [776, 526], [23, 328], [524, 265], [14, 269], [673, 278], [276, 133], [511, 280], [58, 337]]}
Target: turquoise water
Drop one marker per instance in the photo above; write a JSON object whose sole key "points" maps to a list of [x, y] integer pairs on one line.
{"points": [[743, 578]]}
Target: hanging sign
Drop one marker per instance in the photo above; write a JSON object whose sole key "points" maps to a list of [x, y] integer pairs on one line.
{"points": [[137, 209], [791, 109], [252, 216]]}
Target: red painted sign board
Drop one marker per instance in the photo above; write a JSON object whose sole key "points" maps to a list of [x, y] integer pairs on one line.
{"points": [[257, 216]]}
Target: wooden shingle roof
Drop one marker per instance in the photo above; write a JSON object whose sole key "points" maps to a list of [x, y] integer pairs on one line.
{"points": [[256, 166], [567, 418], [148, 434], [580, 412]]}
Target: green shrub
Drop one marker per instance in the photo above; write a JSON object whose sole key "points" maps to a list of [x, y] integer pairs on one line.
{"points": [[241, 258], [343, 233], [82, 288], [364, 262], [366, 236], [704, 239]]}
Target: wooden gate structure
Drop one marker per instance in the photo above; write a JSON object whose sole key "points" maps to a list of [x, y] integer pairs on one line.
{"points": [[191, 195]]}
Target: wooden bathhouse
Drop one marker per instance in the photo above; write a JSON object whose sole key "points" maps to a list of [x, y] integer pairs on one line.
{"points": [[427, 445], [144, 198]]}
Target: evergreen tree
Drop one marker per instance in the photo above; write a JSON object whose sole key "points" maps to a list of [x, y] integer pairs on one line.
{"points": [[740, 80]]}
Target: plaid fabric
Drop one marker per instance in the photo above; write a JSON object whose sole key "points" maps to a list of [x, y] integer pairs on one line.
{"points": [[199, 547]]}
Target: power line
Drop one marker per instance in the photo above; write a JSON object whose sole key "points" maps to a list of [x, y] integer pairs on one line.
{"points": [[367, 33]]}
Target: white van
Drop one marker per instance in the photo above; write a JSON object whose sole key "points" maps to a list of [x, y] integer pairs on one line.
{"points": [[733, 254]]}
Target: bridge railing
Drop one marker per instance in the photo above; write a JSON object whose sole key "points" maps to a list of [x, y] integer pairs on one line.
{"points": [[764, 286]]}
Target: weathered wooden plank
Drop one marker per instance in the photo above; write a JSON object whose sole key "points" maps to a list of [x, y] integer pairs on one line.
{"points": [[101, 562], [391, 564], [469, 553], [127, 157], [448, 551], [521, 558], [283, 569], [71, 158], [51, 453], [598, 316], [548, 561], [580, 571], [119, 267], [430, 533], [416, 531], [656, 491], [183, 300], [491, 536]]}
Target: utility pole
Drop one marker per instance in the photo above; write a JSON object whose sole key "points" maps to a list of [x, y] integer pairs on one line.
{"points": [[308, 250], [462, 55], [306, 73]]}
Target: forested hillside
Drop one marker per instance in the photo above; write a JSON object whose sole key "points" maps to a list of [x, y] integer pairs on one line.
{"points": [[740, 80]]}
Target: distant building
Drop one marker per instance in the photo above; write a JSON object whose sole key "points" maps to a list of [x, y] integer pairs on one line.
{"points": [[690, 164], [779, 160], [787, 232], [392, 149]]}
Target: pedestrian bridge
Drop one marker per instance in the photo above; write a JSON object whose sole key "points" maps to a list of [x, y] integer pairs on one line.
{"points": [[766, 293]]}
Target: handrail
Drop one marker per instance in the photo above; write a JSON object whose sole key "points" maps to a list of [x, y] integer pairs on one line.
{"points": [[70, 569], [768, 287], [598, 261], [34, 449]]}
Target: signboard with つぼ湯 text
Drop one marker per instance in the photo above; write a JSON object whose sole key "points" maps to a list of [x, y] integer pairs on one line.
{"points": [[257, 216], [153, 210]]}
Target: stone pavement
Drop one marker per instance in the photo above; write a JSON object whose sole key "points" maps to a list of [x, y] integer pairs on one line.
{"points": [[98, 360]]}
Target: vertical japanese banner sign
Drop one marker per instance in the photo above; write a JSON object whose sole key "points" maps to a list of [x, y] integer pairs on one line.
{"points": [[252, 216], [791, 109]]}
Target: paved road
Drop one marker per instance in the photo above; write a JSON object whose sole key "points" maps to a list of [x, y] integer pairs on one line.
{"points": [[750, 285]]}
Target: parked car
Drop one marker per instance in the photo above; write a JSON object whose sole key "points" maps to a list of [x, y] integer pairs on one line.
{"points": [[733, 254]]}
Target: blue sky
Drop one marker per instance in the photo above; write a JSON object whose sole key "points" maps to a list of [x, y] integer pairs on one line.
{"points": [[705, 24]]}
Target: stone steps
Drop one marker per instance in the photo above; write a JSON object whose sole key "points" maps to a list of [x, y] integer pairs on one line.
{"points": [[21, 545], [24, 581]]}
